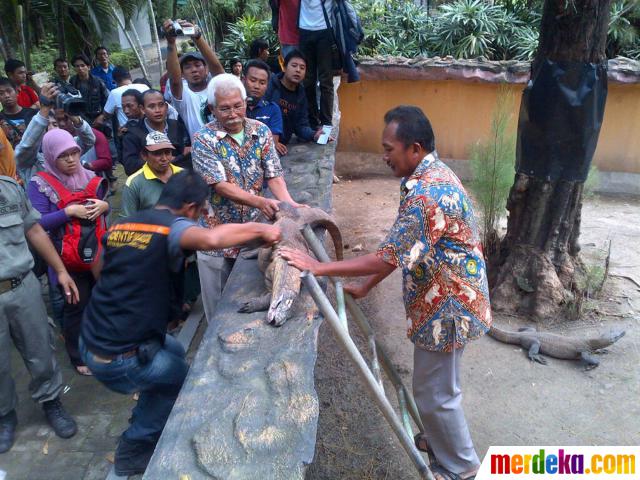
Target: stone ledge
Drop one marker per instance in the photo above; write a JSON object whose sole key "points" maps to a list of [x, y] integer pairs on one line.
{"points": [[621, 70], [248, 408]]}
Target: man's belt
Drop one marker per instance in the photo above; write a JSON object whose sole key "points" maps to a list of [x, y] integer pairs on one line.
{"points": [[11, 283], [111, 358]]}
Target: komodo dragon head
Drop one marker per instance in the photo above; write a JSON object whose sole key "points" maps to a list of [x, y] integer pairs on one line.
{"points": [[281, 278], [605, 340]]}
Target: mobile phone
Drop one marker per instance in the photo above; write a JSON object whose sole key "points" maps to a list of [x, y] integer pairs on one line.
{"points": [[323, 139], [188, 31]]}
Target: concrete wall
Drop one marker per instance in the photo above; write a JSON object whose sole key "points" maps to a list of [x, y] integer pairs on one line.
{"points": [[460, 112], [142, 25]]}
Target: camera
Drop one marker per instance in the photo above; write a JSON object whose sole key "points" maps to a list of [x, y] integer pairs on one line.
{"points": [[178, 30], [69, 99]]}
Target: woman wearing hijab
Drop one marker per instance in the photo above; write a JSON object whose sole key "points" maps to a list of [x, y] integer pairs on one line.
{"points": [[62, 161]]}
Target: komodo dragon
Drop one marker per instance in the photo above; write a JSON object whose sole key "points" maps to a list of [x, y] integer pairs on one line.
{"points": [[557, 346], [281, 279]]}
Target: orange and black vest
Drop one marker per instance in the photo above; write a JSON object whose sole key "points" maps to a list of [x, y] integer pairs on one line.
{"points": [[131, 302]]}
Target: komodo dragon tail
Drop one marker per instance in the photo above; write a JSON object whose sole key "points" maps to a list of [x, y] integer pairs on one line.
{"points": [[315, 217], [504, 336]]}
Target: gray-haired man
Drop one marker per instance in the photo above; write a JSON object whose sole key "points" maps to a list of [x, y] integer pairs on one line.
{"points": [[236, 156]]}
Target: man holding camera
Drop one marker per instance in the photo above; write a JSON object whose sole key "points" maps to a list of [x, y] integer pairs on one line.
{"points": [[190, 100], [27, 153]]}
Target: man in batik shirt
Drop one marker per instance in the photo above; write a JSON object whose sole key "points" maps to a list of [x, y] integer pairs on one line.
{"points": [[435, 241], [236, 156]]}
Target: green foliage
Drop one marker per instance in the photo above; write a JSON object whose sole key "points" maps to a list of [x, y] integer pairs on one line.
{"points": [[394, 27], [492, 164], [624, 24], [163, 10], [43, 56], [125, 58], [214, 16], [592, 182], [496, 30], [466, 29], [241, 33]]}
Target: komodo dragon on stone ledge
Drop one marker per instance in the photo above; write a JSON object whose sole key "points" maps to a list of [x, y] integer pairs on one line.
{"points": [[281, 279], [557, 346]]}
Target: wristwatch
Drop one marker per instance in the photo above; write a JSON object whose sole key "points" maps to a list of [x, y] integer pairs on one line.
{"points": [[45, 101]]}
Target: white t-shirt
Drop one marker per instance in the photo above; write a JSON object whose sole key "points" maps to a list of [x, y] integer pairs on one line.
{"points": [[114, 102], [193, 109], [311, 15]]}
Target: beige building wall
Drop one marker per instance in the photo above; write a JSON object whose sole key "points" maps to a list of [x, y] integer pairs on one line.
{"points": [[460, 113]]}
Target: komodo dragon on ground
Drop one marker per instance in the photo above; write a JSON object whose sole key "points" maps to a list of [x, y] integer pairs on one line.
{"points": [[557, 346], [281, 279]]}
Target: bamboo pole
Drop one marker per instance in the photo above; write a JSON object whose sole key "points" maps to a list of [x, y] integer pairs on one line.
{"points": [[114, 14], [378, 353], [156, 39], [370, 381]]}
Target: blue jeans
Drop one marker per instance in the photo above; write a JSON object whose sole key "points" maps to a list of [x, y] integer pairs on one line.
{"points": [[158, 382]]}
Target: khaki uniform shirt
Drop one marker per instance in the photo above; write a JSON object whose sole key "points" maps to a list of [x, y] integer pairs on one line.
{"points": [[17, 216]]}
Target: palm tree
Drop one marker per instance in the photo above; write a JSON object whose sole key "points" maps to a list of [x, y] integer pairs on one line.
{"points": [[154, 34]]}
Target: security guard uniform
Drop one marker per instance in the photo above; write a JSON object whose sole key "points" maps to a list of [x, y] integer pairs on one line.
{"points": [[23, 316]]}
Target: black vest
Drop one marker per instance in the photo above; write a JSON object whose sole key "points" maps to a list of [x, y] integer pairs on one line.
{"points": [[131, 302]]}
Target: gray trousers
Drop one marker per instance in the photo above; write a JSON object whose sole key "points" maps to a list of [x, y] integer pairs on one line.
{"points": [[436, 388], [23, 319], [213, 272]]}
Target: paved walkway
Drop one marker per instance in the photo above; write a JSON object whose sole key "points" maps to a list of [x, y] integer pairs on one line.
{"points": [[39, 454]]}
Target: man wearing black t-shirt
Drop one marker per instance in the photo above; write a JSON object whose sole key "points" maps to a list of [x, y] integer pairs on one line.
{"points": [[14, 119], [123, 340], [286, 90]]}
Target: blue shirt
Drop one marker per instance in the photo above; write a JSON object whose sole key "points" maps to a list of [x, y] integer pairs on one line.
{"points": [[107, 77], [268, 113]]}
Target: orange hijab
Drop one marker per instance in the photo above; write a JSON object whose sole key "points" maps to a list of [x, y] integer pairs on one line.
{"points": [[7, 162]]}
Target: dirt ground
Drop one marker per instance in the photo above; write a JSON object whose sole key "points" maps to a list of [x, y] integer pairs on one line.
{"points": [[508, 400]]}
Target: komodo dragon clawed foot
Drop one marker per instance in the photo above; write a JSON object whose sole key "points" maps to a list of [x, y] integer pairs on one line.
{"points": [[588, 361], [534, 354], [257, 304]]}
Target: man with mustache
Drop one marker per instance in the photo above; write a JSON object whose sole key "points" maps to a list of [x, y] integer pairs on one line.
{"points": [[236, 156], [435, 241]]}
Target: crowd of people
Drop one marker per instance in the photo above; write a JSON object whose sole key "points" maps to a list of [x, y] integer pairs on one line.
{"points": [[199, 154]]}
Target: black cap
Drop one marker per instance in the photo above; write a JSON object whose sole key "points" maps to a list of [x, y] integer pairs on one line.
{"points": [[191, 56]]}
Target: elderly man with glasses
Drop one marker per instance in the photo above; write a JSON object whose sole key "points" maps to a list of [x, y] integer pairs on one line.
{"points": [[236, 156]]}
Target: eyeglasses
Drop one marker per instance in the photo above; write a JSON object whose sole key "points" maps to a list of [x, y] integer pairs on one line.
{"points": [[228, 110], [68, 157]]}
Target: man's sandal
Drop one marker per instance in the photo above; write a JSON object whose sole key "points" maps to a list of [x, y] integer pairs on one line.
{"points": [[444, 474], [420, 440]]}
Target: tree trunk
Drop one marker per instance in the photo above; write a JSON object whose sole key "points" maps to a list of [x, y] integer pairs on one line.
{"points": [[23, 35], [114, 14], [156, 39], [539, 271], [26, 25], [62, 41], [136, 38], [7, 48]]}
